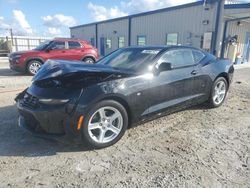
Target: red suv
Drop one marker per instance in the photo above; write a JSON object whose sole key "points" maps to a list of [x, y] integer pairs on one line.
{"points": [[67, 49]]}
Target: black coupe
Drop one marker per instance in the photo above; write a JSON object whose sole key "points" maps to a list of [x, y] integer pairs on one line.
{"points": [[96, 103]]}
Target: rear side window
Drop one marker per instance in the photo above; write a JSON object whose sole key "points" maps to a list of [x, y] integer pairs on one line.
{"points": [[73, 45], [198, 56], [178, 58]]}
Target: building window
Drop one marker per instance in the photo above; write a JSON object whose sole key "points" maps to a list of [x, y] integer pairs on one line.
{"points": [[92, 41], [108, 43], [121, 42], [172, 39], [141, 40]]}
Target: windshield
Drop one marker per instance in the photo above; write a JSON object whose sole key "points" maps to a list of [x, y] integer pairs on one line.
{"points": [[43, 45], [133, 59]]}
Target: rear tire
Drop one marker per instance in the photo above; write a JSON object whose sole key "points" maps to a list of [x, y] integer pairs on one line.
{"points": [[218, 93], [105, 124], [33, 66], [89, 60]]}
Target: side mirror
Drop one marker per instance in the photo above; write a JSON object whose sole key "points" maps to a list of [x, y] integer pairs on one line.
{"points": [[164, 66]]}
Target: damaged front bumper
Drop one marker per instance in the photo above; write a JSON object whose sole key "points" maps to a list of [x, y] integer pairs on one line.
{"points": [[47, 121]]}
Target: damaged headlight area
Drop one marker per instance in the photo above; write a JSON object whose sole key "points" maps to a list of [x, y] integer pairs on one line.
{"points": [[53, 101]]}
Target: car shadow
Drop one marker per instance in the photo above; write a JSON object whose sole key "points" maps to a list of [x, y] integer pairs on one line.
{"points": [[17, 142]]}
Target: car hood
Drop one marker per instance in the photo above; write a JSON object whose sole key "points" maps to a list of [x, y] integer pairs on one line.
{"points": [[60, 68], [28, 53], [22, 52], [61, 73]]}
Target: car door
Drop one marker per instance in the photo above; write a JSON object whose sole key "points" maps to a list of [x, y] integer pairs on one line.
{"points": [[57, 50], [202, 82], [173, 87], [74, 51]]}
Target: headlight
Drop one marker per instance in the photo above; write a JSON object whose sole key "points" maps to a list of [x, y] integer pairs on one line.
{"points": [[53, 101], [17, 56]]}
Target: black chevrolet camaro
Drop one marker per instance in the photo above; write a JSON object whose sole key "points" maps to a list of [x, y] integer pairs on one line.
{"points": [[96, 103]]}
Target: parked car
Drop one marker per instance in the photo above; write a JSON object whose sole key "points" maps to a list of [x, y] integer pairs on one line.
{"points": [[66, 49], [95, 104]]}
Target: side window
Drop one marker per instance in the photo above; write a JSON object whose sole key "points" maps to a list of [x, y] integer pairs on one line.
{"points": [[73, 45], [198, 56], [178, 58], [58, 45]]}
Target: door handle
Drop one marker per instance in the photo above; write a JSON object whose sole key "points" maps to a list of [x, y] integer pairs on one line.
{"points": [[194, 72]]}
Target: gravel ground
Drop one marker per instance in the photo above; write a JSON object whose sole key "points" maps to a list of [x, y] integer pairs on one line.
{"points": [[198, 147]]}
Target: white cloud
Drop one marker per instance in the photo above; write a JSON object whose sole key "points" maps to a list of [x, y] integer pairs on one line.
{"points": [[57, 24], [58, 20], [4, 27], [3, 24], [131, 7], [22, 22], [135, 6], [54, 31], [103, 13]]}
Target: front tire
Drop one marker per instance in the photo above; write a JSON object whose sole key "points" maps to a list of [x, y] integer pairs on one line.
{"points": [[105, 124], [34, 66], [218, 93]]}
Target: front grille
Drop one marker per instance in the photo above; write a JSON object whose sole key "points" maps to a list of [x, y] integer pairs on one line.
{"points": [[30, 101]]}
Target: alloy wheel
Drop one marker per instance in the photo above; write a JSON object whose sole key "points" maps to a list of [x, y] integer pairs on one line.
{"points": [[105, 124], [34, 67], [219, 92]]}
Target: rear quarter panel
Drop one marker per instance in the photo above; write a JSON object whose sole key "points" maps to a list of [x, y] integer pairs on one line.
{"points": [[219, 67]]}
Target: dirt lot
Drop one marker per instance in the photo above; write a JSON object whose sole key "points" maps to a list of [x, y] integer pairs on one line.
{"points": [[198, 147]]}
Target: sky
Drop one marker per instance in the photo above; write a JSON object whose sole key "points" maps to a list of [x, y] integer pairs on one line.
{"points": [[54, 17]]}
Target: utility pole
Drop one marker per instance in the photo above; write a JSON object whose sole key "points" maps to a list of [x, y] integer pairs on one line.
{"points": [[11, 36]]}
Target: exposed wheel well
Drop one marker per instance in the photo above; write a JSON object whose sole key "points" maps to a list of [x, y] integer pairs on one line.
{"points": [[124, 104], [224, 75]]}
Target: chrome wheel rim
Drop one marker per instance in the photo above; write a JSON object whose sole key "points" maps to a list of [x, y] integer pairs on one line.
{"points": [[90, 61], [105, 124], [219, 92], [34, 67]]}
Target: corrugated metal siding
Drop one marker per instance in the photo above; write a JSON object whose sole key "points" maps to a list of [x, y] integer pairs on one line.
{"points": [[113, 30], [230, 12], [187, 22], [85, 33], [234, 29]]}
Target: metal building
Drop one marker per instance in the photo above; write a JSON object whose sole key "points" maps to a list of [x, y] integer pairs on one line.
{"points": [[222, 29]]}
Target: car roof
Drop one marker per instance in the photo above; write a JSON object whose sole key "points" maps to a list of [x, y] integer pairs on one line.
{"points": [[69, 39], [162, 47]]}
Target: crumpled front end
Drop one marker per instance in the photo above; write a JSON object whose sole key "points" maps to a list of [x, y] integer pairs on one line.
{"points": [[49, 106], [55, 121]]}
